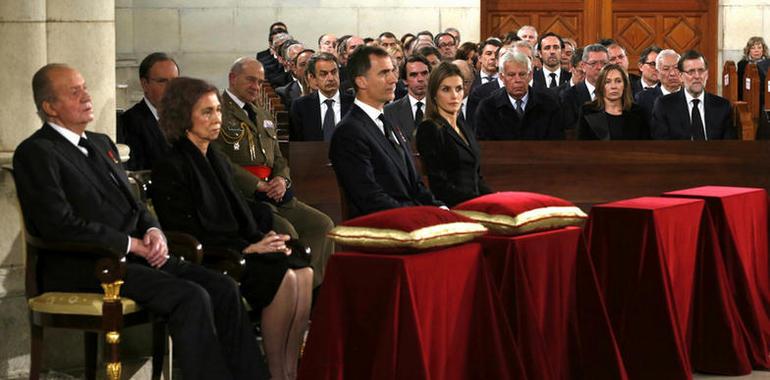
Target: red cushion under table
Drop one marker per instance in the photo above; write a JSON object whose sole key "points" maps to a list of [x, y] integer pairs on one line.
{"points": [[549, 292], [432, 315], [730, 322], [644, 252]]}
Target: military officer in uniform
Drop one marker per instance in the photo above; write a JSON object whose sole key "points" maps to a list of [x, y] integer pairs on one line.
{"points": [[248, 137]]}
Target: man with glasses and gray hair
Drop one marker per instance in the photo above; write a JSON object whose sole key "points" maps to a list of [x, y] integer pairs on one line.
{"points": [[670, 81], [595, 57], [517, 111], [692, 114]]}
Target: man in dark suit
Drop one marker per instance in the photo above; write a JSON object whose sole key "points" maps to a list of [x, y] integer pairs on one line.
{"points": [[692, 114], [139, 125], [314, 117], [407, 112], [670, 81], [488, 54], [618, 56], [273, 63], [576, 72], [72, 189], [288, 51], [517, 111], [371, 158], [295, 88], [266, 56], [552, 75], [594, 58], [649, 74]]}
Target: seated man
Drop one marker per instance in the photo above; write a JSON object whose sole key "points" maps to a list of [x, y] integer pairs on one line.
{"points": [[670, 81], [594, 58], [72, 189], [296, 87], [371, 158], [407, 112], [517, 111], [140, 123], [248, 138], [314, 117], [692, 114]]}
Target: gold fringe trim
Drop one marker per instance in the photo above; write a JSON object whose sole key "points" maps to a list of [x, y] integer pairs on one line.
{"points": [[533, 220], [427, 237]]}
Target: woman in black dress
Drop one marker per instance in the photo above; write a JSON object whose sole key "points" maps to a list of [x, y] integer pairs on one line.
{"points": [[613, 114], [194, 192], [448, 149]]}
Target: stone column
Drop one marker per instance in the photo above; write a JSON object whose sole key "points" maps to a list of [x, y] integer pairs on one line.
{"points": [[33, 33]]}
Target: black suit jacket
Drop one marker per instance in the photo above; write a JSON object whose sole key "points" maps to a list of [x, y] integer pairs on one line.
{"points": [[306, 118], [636, 84], [646, 100], [496, 119], [279, 78], [399, 113], [453, 167], [143, 135], [370, 171], [64, 199], [477, 95], [540, 82], [288, 93], [671, 118], [572, 99], [594, 125]]}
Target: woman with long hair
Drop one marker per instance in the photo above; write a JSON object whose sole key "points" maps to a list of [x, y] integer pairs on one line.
{"points": [[613, 114], [448, 148]]}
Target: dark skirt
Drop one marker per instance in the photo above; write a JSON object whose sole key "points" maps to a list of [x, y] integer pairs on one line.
{"points": [[263, 274]]}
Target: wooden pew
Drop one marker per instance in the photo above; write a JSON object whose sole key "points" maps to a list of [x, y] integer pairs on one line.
{"points": [[745, 126], [751, 88], [584, 172], [730, 83]]}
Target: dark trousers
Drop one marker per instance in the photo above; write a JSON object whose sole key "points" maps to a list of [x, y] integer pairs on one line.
{"points": [[210, 328]]}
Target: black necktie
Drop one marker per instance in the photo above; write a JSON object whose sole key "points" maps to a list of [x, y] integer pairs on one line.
{"points": [[520, 108], [488, 79], [102, 168], [328, 123], [250, 111], [696, 126], [553, 80], [391, 136], [418, 114]]}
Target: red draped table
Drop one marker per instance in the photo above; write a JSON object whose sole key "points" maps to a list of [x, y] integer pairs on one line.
{"points": [[730, 320], [644, 252], [549, 293], [426, 316]]}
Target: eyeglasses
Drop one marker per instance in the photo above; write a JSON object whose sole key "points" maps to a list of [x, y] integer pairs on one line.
{"points": [[445, 45], [596, 63], [693, 72]]}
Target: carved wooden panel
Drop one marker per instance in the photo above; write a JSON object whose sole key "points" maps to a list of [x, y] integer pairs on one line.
{"points": [[564, 24]]}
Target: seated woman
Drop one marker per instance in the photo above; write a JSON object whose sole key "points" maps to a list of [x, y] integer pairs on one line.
{"points": [[194, 193], [448, 149], [613, 114], [754, 51]]}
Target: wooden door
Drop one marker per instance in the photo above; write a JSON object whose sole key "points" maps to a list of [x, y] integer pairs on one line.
{"points": [[677, 24]]}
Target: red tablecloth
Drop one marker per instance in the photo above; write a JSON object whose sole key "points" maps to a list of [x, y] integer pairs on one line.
{"points": [[730, 320], [644, 253], [549, 292], [426, 316]]}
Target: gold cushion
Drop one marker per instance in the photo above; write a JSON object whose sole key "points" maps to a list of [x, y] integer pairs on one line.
{"points": [[541, 219], [75, 303]]}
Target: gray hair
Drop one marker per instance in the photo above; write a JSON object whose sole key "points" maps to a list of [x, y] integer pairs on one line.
{"points": [[663, 54], [238, 65], [514, 56], [530, 27], [42, 89], [280, 38], [594, 48]]}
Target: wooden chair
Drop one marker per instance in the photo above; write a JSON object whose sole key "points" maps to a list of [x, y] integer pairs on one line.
{"points": [[94, 313], [742, 119], [751, 88], [730, 83]]}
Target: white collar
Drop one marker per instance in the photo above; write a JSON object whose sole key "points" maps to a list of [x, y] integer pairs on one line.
{"points": [[547, 72], [370, 111], [70, 136], [151, 107], [591, 89], [485, 74], [237, 100], [336, 97], [413, 101], [645, 84], [524, 100], [666, 92], [690, 98]]}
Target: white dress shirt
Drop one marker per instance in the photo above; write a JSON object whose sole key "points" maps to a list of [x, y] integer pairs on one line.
{"points": [[336, 106], [413, 103], [591, 90], [524, 100], [547, 73], [701, 108], [373, 114]]}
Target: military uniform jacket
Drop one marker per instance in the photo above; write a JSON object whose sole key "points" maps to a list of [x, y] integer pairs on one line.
{"points": [[248, 144]]}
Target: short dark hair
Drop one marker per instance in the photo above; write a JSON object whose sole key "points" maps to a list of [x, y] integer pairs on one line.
{"points": [[595, 48], [511, 37], [577, 57], [425, 51], [279, 23], [649, 49], [285, 47], [425, 33], [320, 56], [368, 40], [405, 36], [322, 37], [490, 41], [175, 116], [360, 62], [607, 42], [41, 87], [442, 34], [152, 59], [388, 35], [688, 55], [412, 59], [465, 50], [549, 34]]}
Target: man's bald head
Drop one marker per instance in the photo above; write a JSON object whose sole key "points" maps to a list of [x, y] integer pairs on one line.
{"points": [[245, 78]]}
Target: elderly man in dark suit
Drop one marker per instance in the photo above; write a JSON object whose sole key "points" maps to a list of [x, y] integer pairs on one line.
{"points": [[517, 111], [72, 189], [692, 114], [550, 46], [138, 127], [595, 57], [407, 112], [314, 117], [370, 156], [670, 81]]}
